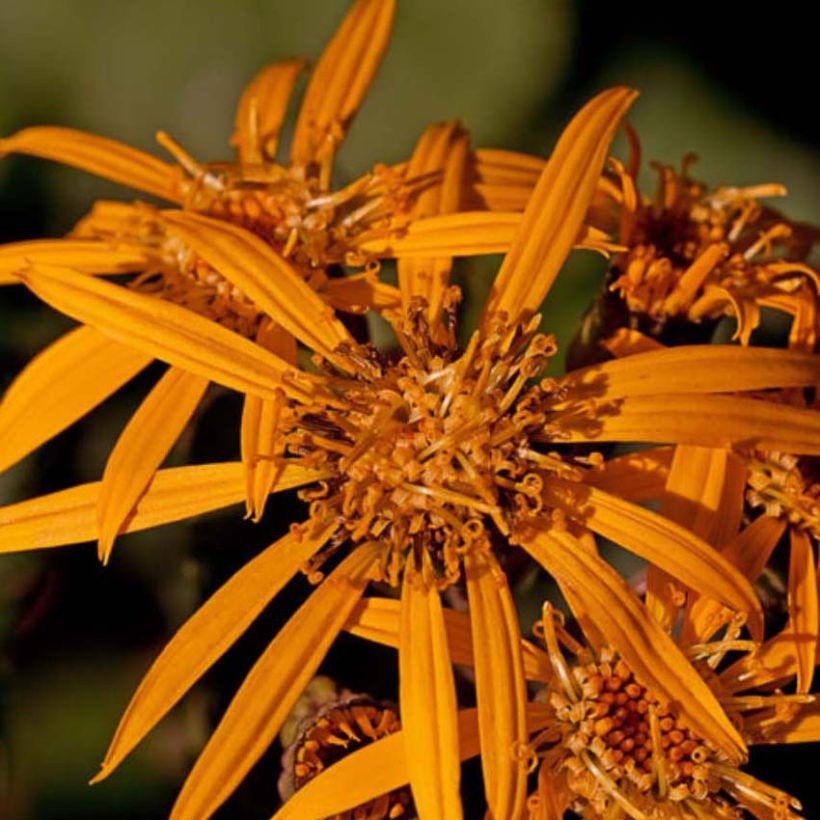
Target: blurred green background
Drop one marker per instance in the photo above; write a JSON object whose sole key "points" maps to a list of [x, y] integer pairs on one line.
{"points": [[75, 638]]}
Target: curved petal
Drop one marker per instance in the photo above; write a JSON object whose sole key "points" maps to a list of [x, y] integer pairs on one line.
{"points": [[206, 636], [262, 276], [60, 385], [360, 293], [70, 516], [711, 421], [340, 80], [627, 342], [500, 687], [164, 330], [262, 109], [98, 155], [639, 476], [88, 256], [652, 655], [694, 369], [267, 695], [442, 149], [142, 447], [661, 542], [558, 206], [377, 619], [427, 697], [802, 605]]}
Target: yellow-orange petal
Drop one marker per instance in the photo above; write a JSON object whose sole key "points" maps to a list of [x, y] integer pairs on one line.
{"points": [[111, 219], [206, 636], [639, 476], [427, 697], [340, 80], [708, 420], [359, 293], [98, 155], [273, 685], [804, 622], [377, 619], [262, 276], [653, 656], [558, 206], [163, 330], [87, 256], [694, 369], [259, 426], [60, 385], [142, 447], [803, 728], [751, 549], [717, 301], [262, 109], [628, 342], [693, 277], [500, 689], [441, 150], [379, 768], [70, 516], [553, 796], [661, 542], [504, 180]]}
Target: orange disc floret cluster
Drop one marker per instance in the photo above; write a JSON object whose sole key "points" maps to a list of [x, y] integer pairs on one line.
{"points": [[695, 253], [433, 450], [337, 731]]}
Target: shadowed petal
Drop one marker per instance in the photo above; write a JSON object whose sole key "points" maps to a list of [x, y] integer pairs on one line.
{"points": [[802, 605], [267, 695], [98, 155], [142, 446], [60, 385]]}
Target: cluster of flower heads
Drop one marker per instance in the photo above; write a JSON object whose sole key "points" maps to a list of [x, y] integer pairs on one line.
{"points": [[430, 470]]}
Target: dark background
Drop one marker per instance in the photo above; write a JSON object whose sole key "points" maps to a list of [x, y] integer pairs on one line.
{"points": [[734, 85]]}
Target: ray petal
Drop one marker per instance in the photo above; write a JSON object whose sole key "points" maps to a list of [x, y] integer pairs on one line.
{"points": [[70, 516], [60, 385], [262, 276], [639, 476], [88, 256], [206, 636], [164, 330], [654, 658], [268, 693], [262, 109], [359, 293], [427, 698], [500, 687], [802, 605], [661, 542], [98, 155], [142, 447], [341, 79], [558, 206]]}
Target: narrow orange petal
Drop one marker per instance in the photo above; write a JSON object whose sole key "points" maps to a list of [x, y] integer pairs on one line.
{"points": [[260, 423], [751, 549], [639, 476], [268, 693], [804, 728], [98, 155], [500, 687], [206, 636], [70, 516], [262, 276], [262, 109], [654, 658], [804, 622], [711, 421], [558, 206], [87, 256], [60, 385], [427, 698], [360, 293], [379, 768], [163, 330], [377, 619], [443, 150], [504, 180], [553, 797], [661, 542], [340, 80], [694, 369], [628, 342], [142, 447]]}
